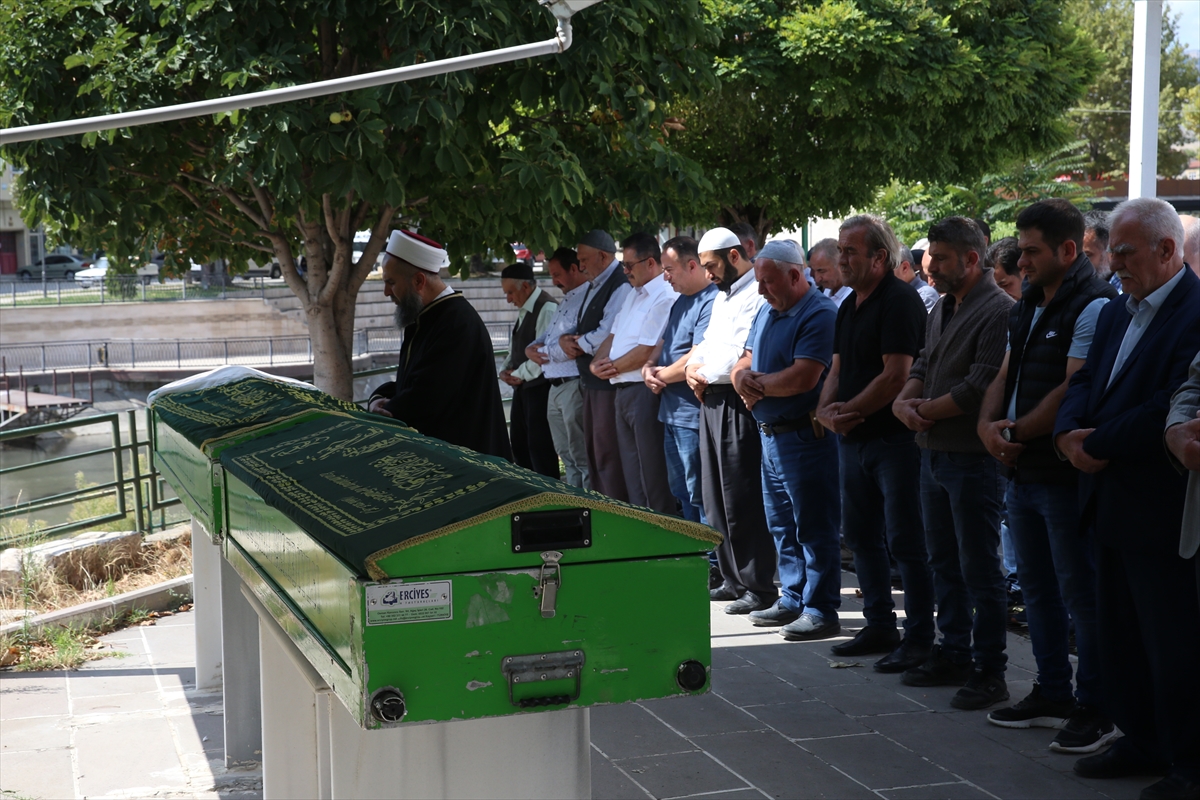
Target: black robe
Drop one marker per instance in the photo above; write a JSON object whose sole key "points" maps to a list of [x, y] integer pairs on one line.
{"points": [[446, 383]]}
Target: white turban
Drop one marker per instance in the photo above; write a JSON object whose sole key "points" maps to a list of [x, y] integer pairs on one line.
{"points": [[717, 239], [418, 250]]}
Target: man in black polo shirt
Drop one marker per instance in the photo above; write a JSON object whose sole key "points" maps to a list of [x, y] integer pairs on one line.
{"points": [[880, 330]]}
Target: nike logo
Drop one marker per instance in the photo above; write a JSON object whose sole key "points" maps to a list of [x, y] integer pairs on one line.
{"points": [[1051, 334]]}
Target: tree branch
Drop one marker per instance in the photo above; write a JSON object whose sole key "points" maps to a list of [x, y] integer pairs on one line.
{"points": [[264, 202]]}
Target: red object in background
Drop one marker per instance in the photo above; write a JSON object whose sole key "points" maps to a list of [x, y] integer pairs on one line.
{"points": [[8, 253]]}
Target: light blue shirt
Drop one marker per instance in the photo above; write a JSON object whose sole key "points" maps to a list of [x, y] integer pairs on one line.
{"points": [[1081, 340], [1143, 314], [564, 320]]}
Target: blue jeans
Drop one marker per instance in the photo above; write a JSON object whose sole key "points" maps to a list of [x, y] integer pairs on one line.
{"points": [[960, 497], [682, 448], [881, 510], [1008, 556], [800, 497], [1058, 575]]}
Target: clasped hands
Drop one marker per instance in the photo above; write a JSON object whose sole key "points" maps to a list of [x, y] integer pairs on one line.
{"points": [[833, 418], [909, 413]]}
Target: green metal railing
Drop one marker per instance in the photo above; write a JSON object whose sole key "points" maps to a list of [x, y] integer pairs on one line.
{"points": [[144, 492]]}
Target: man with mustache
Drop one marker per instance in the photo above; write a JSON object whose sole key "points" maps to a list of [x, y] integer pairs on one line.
{"points": [[445, 384]]}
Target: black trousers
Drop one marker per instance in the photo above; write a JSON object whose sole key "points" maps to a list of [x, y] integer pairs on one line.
{"points": [[732, 487], [1149, 632], [532, 445]]}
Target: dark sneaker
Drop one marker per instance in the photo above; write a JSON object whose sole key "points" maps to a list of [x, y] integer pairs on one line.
{"points": [[747, 603], [937, 671], [983, 689], [774, 616], [1034, 711], [1086, 731], [722, 594], [1172, 787], [905, 657], [809, 627], [871, 639]]}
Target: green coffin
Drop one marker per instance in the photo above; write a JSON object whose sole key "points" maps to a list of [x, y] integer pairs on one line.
{"points": [[192, 427], [426, 582]]}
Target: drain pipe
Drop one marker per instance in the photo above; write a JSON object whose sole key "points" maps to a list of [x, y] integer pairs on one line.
{"points": [[562, 10]]}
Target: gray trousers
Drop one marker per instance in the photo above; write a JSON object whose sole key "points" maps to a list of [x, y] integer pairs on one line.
{"points": [[564, 412], [604, 454], [643, 460]]}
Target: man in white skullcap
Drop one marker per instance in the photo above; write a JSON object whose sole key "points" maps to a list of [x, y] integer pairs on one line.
{"points": [[730, 448], [446, 384]]}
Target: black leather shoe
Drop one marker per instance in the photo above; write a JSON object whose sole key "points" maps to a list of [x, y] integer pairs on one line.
{"points": [[937, 671], [722, 594], [715, 581], [773, 617], [1116, 762], [905, 657], [871, 639], [1172, 787], [747, 603]]}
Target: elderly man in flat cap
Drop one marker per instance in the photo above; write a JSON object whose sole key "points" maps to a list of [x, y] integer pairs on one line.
{"points": [[730, 449], [606, 294], [532, 443], [445, 385]]}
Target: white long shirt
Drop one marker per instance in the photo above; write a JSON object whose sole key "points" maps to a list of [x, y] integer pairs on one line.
{"points": [[728, 328], [641, 321]]}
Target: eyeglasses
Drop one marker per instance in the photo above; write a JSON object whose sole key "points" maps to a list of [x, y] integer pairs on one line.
{"points": [[629, 265]]}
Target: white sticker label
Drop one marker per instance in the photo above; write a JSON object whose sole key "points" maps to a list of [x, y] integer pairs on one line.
{"points": [[397, 603]]}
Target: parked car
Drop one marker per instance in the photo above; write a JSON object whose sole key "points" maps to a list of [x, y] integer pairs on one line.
{"points": [[94, 276], [253, 270], [54, 267]]}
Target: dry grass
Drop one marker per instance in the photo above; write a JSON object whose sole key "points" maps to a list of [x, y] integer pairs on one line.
{"points": [[46, 590]]}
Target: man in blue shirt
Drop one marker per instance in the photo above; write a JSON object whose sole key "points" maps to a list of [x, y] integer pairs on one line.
{"points": [[679, 410], [779, 378]]}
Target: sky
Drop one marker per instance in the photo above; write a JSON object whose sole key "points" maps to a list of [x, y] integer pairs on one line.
{"points": [[1189, 23]]}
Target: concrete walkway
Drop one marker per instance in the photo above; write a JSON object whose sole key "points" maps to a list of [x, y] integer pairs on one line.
{"points": [[780, 722]]}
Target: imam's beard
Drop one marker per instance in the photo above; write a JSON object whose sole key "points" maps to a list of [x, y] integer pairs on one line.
{"points": [[729, 277], [408, 308]]}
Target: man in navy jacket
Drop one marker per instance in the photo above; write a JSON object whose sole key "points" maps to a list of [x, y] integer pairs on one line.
{"points": [[1110, 427]]}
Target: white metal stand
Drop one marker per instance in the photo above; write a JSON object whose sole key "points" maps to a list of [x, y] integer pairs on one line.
{"points": [[240, 667], [206, 597], [313, 748], [1143, 119]]}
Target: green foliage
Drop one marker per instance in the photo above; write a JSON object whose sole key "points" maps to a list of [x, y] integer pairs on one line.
{"points": [[996, 198], [1104, 123], [537, 150], [824, 101]]}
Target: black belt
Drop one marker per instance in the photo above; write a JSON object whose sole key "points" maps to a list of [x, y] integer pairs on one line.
{"points": [[561, 381], [627, 384], [717, 388], [790, 425]]}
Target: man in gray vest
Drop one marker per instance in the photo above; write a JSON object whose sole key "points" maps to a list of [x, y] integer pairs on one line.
{"points": [[606, 294], [532, 444], [1049, 332]]}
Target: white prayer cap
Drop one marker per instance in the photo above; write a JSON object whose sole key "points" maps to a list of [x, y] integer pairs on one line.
{"points": [[420, 251], [717, 239]]}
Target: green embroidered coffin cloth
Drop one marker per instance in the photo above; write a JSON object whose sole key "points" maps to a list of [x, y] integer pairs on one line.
{"points": [[206, 416], [365, 488]]}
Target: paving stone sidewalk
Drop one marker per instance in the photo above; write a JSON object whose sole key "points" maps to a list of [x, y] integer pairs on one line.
{"points": [[780, 722]]}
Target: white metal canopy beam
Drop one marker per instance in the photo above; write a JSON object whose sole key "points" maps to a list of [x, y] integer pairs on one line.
{"points": [[562, 10], [1143, 119]]}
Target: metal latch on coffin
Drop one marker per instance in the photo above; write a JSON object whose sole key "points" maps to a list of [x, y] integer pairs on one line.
{"points": [[549, 581], [541, 667]]}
